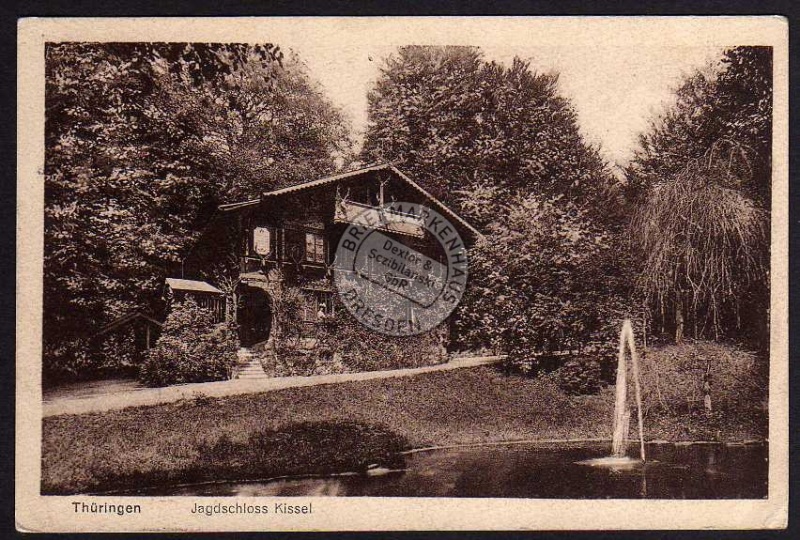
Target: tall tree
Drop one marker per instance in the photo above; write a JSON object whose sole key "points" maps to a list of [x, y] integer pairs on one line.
{"points": [[142, 142], [475, 132], [727, 101], [503, 146], [702, 222], [546, 278]]}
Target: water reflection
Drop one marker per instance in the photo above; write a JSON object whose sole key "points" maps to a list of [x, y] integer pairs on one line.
{"points": [[697, 471]]}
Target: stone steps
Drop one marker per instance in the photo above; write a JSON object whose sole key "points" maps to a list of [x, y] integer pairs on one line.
{"points": [[250, 366]]}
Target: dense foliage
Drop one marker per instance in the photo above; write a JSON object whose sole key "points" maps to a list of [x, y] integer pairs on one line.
{"points": [[731, 101], [192, 348], [704, 246], [545, 280], [477, 133], [701, 225], [579, 376], [340, 344], [142, 142], [500, 144], [119, 354]]}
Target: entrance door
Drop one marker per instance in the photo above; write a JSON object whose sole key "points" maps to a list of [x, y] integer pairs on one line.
{"points": [[254, 316]]}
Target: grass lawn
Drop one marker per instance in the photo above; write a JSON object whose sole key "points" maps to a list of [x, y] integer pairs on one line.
{"points": [[323, 429]]}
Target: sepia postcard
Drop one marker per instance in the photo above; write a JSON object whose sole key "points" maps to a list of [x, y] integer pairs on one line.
{"points": [[398, 273]]}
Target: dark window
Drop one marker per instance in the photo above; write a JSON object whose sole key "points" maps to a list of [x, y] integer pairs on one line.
{"points": [[294, 248]]}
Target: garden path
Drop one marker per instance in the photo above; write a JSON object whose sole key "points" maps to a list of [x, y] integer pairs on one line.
{"points": [[54, 405]]}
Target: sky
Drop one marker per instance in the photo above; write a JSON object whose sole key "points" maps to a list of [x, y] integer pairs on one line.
{"points": [[615, 86]]}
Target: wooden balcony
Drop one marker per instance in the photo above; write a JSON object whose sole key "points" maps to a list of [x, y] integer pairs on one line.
{"points": [[378, 218]]}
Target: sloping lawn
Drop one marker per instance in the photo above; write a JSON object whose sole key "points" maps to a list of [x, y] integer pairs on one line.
{"points": [[164, 443]]}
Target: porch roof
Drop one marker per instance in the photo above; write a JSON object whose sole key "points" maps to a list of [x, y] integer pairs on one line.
{"points": [[190, 285], [253, 276], [129, 318]]}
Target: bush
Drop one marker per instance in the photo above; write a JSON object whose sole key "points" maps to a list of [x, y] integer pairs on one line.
{"points": [[97, 357], [119, 353], [300, 361], [191, 348], [672, 378], [579, 376], [69, 360], [549, 279], [341, 344], [362, 349]]}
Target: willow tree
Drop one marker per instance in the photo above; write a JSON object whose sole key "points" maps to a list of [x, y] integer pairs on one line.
{"points": [[704, 244], [702, 180]]}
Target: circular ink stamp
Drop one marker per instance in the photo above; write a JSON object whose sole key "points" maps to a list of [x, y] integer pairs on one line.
{"points": [[400, 269]]}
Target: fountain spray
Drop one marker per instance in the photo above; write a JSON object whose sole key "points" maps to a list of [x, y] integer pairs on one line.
{"points": [[621, 411]]}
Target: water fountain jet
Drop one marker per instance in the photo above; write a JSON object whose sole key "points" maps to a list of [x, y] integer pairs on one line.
{"points": [[622, 413]]}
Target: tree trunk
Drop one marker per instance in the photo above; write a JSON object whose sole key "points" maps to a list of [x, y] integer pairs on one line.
{"points": [[679, 320]]}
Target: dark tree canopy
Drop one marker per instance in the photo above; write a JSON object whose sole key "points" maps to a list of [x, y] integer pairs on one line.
{"points": [[143, 141], [547, 278], [732, 102], [500, 144], [475, 132]]}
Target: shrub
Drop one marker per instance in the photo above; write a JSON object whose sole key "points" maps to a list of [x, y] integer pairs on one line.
{"points": [[363, 349], [549, 279], [69, 360], [191, 348], [119, 352], [301, 361], [341, 344], [672, 378], [111, 354], [579, 376]]}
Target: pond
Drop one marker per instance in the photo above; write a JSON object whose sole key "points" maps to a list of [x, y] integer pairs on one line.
{"points": [[529, 470]]}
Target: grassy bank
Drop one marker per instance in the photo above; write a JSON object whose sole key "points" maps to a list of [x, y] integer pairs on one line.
{"points": [[299, 449], [165, 443]]}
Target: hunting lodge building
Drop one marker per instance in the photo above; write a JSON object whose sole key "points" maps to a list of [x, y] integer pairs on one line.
{"points": [[296, 230]]}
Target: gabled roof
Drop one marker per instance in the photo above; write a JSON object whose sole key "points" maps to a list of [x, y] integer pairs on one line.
{"points": [[326, 180], [444, 209], [191, 285], [440, 206], [304, 185], [127, 318]]}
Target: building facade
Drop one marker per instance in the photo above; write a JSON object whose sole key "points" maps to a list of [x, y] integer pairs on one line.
{"points": [[293, 233]]}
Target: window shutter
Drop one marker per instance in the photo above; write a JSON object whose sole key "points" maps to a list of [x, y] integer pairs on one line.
{"points": [[309, 247], [320, 249], [262, 241]]}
